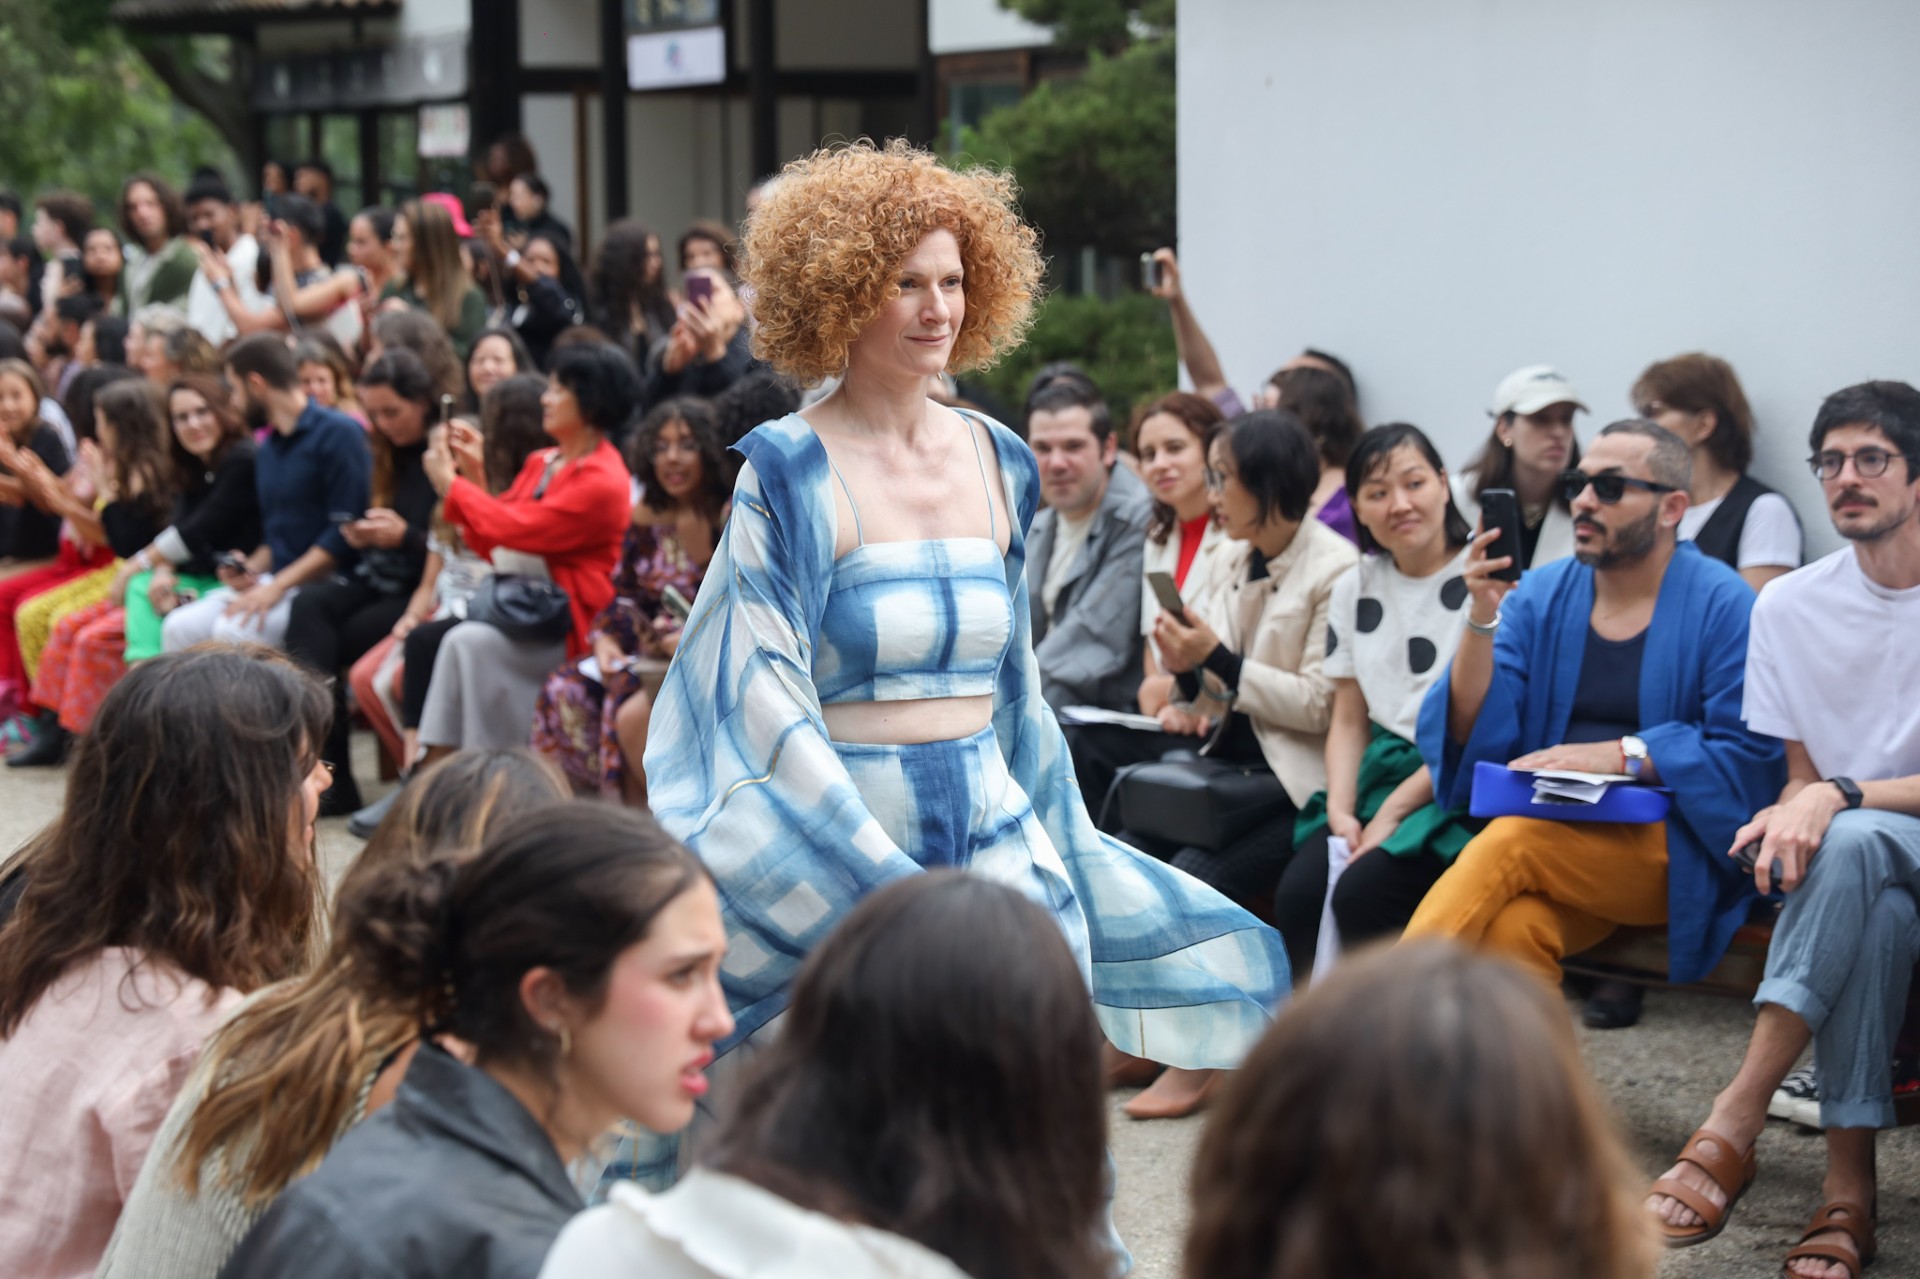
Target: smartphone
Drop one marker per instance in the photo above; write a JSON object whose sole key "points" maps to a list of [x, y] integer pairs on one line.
{"points": [[205, 237], [341, 517], [699, 290], [1167, 593], [1747, 856], [232, 561], [676, 603], [1149, 272], [1500, 509]]}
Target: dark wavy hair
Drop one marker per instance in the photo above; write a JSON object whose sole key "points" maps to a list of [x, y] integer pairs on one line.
{"points": [[510, 417], [604, 381], [1421, 1113], [1371, 454], [564, 886], [1202, 418], [285, 1072], [716, 478], [232, 426], [400, 371], [1324, 404], [417, 332], [141, 456], [181, 834], [938, 1076], [170, 204], [618, 286]]}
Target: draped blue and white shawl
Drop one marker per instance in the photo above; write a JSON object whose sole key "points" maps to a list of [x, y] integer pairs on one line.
{"points": [[740, 768]]}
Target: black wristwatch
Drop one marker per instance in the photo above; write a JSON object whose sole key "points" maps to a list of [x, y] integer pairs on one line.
{"points": [[1849, 790]]}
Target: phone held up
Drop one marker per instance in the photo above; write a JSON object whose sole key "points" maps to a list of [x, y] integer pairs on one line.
{"points": [[1167, 593], [699, 291], [1500, 509], [1149, 272], [676, 603]]}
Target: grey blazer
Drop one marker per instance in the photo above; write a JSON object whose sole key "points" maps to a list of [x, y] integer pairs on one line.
{"points": [[1089, 649]]}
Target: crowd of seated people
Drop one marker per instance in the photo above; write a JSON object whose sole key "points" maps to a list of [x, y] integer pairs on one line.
{"points": [[269, 475]]}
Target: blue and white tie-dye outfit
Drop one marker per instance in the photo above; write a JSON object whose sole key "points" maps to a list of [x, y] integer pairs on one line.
{"points": [[797, 828]]}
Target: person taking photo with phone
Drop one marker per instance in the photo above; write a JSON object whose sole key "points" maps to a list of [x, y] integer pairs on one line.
{"points": [[1532, 443], [1626, 660]]}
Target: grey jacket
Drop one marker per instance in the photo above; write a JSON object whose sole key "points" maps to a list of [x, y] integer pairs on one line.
{"points": [[454, 1178], [1089, 650]]}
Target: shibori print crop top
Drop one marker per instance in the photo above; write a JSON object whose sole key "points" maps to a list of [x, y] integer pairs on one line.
{"points": [[915, 619]]}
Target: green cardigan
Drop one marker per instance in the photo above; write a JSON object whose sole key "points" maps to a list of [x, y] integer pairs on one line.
{"points": [[157, 277], [473, 314]]}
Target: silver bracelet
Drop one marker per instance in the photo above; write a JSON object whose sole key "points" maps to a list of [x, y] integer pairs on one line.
{"points": [[1488, 629]]}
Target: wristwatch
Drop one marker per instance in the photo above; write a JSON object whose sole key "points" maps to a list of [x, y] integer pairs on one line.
{"points": [[1633, 756], [1849, 790]]}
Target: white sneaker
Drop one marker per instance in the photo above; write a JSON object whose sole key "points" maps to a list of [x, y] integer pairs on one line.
{"points": [[1797, 1099]]}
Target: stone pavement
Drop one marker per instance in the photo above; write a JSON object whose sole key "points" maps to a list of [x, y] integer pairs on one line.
{"points": [[1658, 1076]]}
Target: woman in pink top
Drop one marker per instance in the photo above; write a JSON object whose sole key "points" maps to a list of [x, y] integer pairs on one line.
{"points": [[179, 877]]}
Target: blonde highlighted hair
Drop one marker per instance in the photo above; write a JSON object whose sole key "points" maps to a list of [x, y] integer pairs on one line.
{"points": [[821, 253]]}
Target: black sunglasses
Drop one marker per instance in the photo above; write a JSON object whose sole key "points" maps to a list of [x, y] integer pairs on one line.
{"points": [[1608, 488]]}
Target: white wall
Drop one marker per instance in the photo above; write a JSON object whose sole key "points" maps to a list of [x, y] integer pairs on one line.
{"points": [[1443, 190], [558, 33]]}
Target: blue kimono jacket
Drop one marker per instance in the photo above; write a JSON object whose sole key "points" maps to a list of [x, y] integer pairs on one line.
{"points": [[741, 769], [1692, 681]]}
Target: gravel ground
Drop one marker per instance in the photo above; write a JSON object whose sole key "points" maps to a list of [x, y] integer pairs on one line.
{"points": [[1659, 1076]]}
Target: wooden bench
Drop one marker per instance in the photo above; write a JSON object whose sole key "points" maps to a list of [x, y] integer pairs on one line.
{"points": [[1639, 955]]}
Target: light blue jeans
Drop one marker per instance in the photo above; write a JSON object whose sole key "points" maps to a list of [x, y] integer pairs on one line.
{"points": [[1843, 952]]}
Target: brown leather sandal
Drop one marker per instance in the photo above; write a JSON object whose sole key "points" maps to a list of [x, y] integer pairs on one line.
{"points": [[1732, 1173], [1857, 1224]]}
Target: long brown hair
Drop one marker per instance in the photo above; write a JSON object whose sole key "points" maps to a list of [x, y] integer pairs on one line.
{"points": [[938, 1076], [284, 1074], [180, 835], [140, 459], [401, 372], [1202, 418], [438, 276], [232, 426], [1422, 1113], [1700, 383]]}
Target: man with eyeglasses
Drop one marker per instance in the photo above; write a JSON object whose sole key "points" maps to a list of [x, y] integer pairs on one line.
{"points": [[1628, 660], [1832, 672]]}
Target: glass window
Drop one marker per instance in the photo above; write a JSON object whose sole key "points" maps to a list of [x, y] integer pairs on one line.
{"points": [[968, 103], [399, 157], [286, 142], [340, 148]]}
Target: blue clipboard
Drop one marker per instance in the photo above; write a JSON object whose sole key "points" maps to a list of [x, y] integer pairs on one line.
{"points": [[1499, 791]]}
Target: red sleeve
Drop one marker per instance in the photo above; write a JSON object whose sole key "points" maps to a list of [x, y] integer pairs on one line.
{"points": [[568, 518]]}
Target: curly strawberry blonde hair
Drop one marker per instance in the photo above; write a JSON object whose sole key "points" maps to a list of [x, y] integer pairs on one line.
{"points": [[821, 251]]}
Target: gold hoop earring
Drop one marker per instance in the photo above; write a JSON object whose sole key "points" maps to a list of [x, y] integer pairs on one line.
{"points": [[566, 1039]]}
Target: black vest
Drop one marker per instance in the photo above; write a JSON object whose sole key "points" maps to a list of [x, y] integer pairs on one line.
{"points": [[1719, 537]]}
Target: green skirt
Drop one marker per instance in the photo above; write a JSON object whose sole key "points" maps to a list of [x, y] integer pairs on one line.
{"points": [[143, 624], [1388, 761]]}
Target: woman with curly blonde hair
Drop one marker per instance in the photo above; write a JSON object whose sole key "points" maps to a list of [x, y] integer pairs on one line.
{"points": [[855, 697]]}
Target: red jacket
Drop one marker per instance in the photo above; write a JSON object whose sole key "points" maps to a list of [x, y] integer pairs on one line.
{"points": [[576, 526]]}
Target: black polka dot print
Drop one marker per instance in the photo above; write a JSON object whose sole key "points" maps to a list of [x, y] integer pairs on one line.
{"points": [[1453, 593], [1368, 615], [1421, 654]]}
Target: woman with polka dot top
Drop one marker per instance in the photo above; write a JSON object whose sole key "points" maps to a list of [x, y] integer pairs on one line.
{"points": [[1393, 624]]}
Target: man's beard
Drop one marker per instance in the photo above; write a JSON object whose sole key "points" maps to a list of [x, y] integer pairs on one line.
{"points": [[1877, 530], [256, 415], [1628, 544]]}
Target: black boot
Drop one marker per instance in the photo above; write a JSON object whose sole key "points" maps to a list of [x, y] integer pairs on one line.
{"points": [[1614, 1005], [48, 749]]}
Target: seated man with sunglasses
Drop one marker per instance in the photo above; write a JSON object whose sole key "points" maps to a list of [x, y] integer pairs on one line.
{"points": [[1832, 672], [1630, 659]]}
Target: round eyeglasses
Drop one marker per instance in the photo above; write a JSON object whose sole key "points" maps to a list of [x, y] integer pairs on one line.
{"points": [[1868, 463]]}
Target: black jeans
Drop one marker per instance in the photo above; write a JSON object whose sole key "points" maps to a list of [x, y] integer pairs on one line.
{"points": [[1375, 898], [331, 626], [420, 648]]}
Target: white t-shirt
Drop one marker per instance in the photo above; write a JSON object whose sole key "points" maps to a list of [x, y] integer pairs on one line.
{"points": [[1394, 634], [1832, 664], [206, 313], [1068, 537], [1769, 539]]}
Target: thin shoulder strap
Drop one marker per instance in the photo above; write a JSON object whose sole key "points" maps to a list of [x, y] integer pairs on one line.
{"points": [[851, 504], [986, 486]]}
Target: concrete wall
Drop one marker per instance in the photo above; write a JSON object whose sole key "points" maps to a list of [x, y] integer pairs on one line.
{"points": [[1443, 190]]}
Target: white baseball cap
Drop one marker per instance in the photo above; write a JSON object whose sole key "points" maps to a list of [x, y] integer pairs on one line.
{"points": [[1533, 388]]}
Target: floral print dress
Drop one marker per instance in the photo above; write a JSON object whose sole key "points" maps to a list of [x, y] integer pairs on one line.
{"points": [[573, 723]]}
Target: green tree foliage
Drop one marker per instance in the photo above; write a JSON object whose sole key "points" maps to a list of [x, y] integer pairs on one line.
{"points": [[82, 109], [1094, 155], [1109, 25], [1126, 345]]}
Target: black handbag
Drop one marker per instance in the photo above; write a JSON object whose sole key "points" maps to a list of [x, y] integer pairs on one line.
{"points": [[525, 608], [1198, 803]]}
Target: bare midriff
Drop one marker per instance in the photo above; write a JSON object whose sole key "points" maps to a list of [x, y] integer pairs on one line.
{"points": [[908, 723]]}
